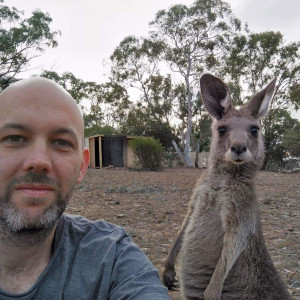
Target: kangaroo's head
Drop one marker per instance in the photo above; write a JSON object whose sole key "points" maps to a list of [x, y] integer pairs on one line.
{"points": [[237, 137]]}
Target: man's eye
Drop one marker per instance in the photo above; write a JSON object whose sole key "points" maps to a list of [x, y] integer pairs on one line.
{"points": [[15, 139], [222, 130], [62, 143]]}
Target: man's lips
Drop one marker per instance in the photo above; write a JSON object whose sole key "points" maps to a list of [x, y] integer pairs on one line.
{"points": [[35, 190]]}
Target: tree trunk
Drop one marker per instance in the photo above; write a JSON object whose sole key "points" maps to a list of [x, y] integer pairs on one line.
{"points": [[177, 150], [188, 133], [185, 158], [197, 152]]}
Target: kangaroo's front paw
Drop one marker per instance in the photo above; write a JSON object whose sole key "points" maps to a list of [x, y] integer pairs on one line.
{"points": [[169, 279]]}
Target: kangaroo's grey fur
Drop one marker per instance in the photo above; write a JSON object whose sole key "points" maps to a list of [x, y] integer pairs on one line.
{"points": [[224, 255]]}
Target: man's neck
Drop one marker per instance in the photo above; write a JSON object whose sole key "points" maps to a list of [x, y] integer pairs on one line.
{"points": [[21, 264]]}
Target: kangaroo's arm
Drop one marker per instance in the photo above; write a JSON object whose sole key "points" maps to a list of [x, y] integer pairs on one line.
{"points": [[169, 272]]}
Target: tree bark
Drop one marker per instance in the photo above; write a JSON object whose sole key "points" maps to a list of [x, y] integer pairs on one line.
{"points": [[183, 156], [197, 152], [187, 145], [178, 150]]}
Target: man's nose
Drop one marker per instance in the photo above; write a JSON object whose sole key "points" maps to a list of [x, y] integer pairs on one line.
{"points": [[38, 158]]}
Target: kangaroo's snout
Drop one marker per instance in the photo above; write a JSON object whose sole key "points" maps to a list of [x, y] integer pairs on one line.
{"points": [[238, 152], [238, 149]]}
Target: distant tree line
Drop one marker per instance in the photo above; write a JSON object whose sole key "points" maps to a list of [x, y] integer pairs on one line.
{"points": [[153, 86]]}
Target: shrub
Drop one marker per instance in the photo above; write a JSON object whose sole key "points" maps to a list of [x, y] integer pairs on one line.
{"points": [[148, 152]]}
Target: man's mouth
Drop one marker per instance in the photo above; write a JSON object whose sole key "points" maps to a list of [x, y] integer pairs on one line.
{"points": [[35, 190]]}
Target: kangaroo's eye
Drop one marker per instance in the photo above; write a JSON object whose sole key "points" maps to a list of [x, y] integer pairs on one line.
{"points": [[254, 131], [222, 130]]}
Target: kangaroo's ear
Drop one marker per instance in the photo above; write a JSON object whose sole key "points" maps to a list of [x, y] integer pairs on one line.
{"points": [[258, 105], [215, 94]]}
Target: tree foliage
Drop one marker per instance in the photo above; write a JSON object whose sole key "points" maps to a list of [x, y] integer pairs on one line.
{"points": [[135, 66], [97, 129], [291, 140], [276, 136], [21, 40], [256, 58], [138, 123], [113, 100]]}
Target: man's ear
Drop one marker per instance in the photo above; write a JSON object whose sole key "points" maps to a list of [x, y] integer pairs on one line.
{"points": [[216, 95], [258, 105], [84, 164]]}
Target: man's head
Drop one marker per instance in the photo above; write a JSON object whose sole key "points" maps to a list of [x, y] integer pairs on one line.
{"points": [[41, 154]]}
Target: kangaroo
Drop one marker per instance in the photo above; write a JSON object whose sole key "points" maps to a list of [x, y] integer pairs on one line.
{"points": [[224, 255]]}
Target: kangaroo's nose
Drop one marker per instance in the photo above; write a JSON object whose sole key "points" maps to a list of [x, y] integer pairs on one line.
{"points": [[238, 149]]}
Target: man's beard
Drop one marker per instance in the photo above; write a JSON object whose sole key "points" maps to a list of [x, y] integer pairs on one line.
{"points": [[16, 220]]}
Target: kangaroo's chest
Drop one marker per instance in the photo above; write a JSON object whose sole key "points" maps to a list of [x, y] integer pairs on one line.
{"points": [[214, 209], [205, 230]]}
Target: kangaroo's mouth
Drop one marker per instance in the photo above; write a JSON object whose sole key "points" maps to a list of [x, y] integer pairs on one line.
{"points": [[235, 160], [238, 161]]}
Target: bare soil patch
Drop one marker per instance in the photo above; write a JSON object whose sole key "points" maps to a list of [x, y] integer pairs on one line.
{"points": [[151, 207]]}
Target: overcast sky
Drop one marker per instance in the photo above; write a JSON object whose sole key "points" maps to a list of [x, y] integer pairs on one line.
{"points": [[91, 29]]}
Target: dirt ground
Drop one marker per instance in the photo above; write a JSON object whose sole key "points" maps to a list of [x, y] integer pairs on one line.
{"points": [[151, 207]]}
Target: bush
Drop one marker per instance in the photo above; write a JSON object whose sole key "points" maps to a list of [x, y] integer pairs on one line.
{"points": [[148, 152]]}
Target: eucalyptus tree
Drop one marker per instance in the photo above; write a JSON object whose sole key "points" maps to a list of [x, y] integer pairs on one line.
{"points": [[194, 38], [114, 101], [135, 66], [21, 40]]}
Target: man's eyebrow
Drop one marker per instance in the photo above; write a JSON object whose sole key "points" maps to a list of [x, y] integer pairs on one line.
{"points": [[14, 126], [61, 130], [65, 130]]}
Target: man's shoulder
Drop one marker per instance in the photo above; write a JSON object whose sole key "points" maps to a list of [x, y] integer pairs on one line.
{"points": [[81, 223], [75, 230]]}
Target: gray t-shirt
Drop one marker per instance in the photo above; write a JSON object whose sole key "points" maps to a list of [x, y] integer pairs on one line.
{"points": [[95, 261]]}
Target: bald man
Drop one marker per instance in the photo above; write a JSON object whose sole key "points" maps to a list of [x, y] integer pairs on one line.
{"points": [[44, 253]]}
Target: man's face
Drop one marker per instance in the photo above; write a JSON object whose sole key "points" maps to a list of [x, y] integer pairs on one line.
{"points": [[41, 156]]}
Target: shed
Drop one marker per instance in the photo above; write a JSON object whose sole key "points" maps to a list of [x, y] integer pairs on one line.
{"points": [[110, 150]]}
